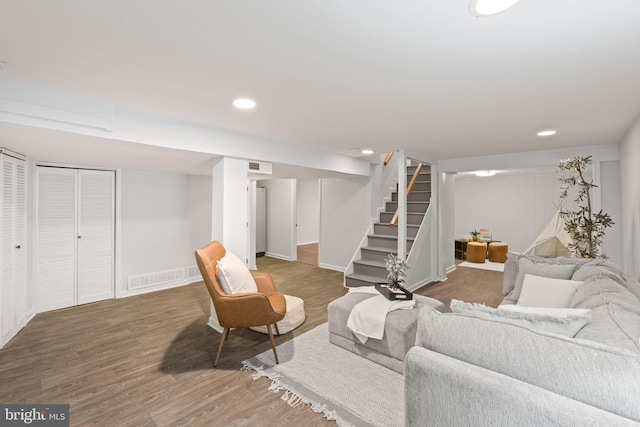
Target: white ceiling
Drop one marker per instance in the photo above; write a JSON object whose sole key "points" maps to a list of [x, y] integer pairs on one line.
{"points": [[425, 75]]}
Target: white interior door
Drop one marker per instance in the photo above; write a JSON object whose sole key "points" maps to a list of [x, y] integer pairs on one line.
{"points": [[95, 235], [8, 249], [19, 243], [75, 243], [56, 238]]}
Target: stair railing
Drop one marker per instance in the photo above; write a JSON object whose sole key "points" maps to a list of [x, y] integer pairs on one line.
{"points": [[394, 220], [388, 158]]}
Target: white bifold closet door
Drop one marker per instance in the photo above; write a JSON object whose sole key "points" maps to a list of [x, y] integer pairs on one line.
{"points": [[75, 237], [13, 282]]}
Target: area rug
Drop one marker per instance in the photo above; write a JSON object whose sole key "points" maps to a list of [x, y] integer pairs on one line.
{"points": [[344, 387], [487, 265]]}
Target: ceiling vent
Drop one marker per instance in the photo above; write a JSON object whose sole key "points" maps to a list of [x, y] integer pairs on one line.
{"points": [[260, 167]]}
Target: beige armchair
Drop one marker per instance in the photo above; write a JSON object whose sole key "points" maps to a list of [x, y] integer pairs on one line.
{"points": [[265, 307]]}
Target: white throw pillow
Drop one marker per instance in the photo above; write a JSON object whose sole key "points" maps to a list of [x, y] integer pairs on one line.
{"points": [[540, 291], [234, 276], [568, 325]]}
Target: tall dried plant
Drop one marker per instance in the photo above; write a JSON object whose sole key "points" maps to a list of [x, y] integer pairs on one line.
{"points": [[585, 227]]}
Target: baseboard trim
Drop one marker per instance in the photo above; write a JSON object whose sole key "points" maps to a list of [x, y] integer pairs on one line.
{"points": [[278, 256], [331, 267], [147, 290], [419, 284]]}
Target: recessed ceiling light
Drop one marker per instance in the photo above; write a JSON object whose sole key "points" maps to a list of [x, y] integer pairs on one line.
{"points": [[485, 173], [244, 103], [366, 151], [547, 132], [490, 7]]}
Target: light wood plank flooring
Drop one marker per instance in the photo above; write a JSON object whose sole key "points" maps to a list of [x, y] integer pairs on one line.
{"points": [[147, 360], [308, 254]]}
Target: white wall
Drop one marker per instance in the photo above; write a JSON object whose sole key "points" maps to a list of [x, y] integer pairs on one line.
{"points": [[611, 204], [630, 200], [281, 217], [154, 225], [308, 211], [515, 208], [601, 155], [447, 222], [230, 205], [198, 212], [344, 220]]}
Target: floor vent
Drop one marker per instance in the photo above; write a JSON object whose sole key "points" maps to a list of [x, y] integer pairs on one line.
{"points": [[155, 279]]}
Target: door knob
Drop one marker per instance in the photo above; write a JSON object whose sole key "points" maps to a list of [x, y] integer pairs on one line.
{"points": [[79, 237], [18, 247]]}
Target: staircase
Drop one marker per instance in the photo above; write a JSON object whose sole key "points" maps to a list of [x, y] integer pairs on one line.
{"points": [[370, 268]]}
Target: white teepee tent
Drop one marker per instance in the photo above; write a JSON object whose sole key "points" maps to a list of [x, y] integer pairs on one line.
{"points": [[554, 240]]}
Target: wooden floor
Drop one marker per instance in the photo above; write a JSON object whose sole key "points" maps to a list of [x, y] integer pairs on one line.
{"points": [[147, 360], [308, 254]]}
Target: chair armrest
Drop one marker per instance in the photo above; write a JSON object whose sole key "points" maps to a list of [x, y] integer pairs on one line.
{"points": [[246, 310], [265, 284]]}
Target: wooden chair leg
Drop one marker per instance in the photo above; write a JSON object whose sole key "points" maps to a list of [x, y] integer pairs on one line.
{"points": [[277, 330], [273, 343], [223, 338]]}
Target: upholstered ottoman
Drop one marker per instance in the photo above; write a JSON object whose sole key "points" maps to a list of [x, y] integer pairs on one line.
{"points": [[476, 252], [295, 316], [498, 252], [399, 331]]}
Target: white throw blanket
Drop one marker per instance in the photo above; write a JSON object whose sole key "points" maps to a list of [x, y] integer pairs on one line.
{"points": [[367, 318]]}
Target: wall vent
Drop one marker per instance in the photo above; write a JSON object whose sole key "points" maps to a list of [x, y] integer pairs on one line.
{"points": [[260, 167], [193, 272], [156, 279]]}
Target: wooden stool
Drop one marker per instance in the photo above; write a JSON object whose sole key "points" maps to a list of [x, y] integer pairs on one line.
{"points": [[498, 252], [476, 252]]}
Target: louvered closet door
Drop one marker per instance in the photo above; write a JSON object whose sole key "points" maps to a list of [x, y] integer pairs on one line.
{"points": [[95, 235], [19, 243], [8, 249], [56, 239]]}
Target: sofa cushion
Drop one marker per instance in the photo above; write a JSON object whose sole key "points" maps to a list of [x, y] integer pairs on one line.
{"points": [[633, 285], [613, 326], [537, 268], [540, 291], [600, 290], [601, 376], [551, 311], [598, 267], [567, 325], [511, 268]]}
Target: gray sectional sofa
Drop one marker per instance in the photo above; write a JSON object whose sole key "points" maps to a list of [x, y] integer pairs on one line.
{"points": [[470, 371]]}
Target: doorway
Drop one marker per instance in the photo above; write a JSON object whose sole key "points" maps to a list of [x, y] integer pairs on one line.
{"points": [[308, 220]]}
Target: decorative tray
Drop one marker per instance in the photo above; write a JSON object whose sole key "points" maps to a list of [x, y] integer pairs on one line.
{"points": [[400, 294]]}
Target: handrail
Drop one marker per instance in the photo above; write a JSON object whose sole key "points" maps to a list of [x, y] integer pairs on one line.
{"points": [[409, 188], [388, 158]]}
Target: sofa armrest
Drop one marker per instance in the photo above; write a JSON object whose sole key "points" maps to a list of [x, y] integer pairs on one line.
{"points": [[440, 390], [601, 376]]}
